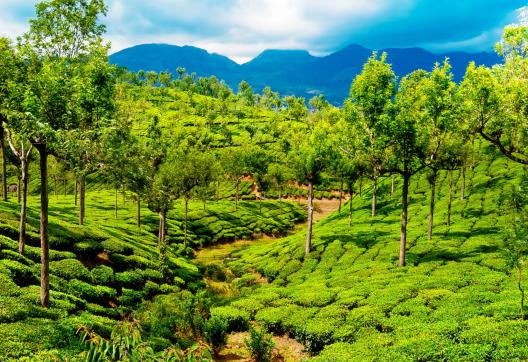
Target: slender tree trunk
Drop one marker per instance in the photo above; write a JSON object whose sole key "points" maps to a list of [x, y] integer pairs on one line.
{"points": [[308, 246], [4, 162], [236, 194], [124, 195], [19, 181], [340, 196], [217, 191], [204, 201], [405, 203], [44, 246], [392, 184], [360, 188], [161, 242], [463, 187], [115, 203], [82, 195], [374, 191], [23, 207], [64, 181], [521, 289], [280, 194], [432, 206], [55, 186], [450, 201], [138, 214], [76, 181], [350, 207], [186, 212]]}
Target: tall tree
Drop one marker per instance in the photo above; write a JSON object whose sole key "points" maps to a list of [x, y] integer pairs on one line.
{"points": [[368, 106], [62, 38], [307, 158]]}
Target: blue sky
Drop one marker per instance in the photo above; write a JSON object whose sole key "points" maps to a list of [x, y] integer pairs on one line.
{"points": [[241, 29]]}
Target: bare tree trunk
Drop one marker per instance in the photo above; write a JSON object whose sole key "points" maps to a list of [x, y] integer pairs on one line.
{"points": [[350, 208], [76, 181], [4, 162], [405, 203], [124, 195], [374, 190], [138, 211], [82, 195], [161, 242], [308, 246], [44, 246], [23, 207], [55, 186], [186, 201], [340, 196], [236, 194], [392, 184], [450, 202], [432, 206], [115, 203], [463, 188], [521, 289], [64, 181], [19, 181]]}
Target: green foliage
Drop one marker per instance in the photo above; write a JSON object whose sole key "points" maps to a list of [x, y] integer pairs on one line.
{"points": [[70, 269], [259, 344]]}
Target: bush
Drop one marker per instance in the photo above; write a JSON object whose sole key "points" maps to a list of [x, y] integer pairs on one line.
{"points": [[22, 274], [70, 269], [259, 344], [88, 249], [114, 246], [215, 332], [95, 294], [130, 279], [102, 275], [237, 320]]}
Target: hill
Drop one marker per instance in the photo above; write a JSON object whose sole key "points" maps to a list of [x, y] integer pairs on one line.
{"points": [[347, 300], [290, 71]]}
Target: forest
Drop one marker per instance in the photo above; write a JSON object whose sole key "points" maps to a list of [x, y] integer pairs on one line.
{"points": [[118, 188]]}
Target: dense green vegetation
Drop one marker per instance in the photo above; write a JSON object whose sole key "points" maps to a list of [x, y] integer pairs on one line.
{"points": [[137, 170]]}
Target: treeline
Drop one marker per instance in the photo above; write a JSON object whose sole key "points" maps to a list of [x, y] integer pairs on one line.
{"points": [[60, 97]]}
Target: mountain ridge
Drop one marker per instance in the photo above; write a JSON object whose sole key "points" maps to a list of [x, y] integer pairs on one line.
{"points": [[291, 71]]}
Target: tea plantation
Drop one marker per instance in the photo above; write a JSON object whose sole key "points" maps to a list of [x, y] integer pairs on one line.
{"points": [[107, 268], [348, 301]]}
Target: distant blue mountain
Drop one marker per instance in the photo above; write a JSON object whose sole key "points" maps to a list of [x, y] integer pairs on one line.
{"points": [[291, 71]]}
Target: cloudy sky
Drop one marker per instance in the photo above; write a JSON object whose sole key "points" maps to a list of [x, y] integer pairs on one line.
{"points": [[241, 29]]}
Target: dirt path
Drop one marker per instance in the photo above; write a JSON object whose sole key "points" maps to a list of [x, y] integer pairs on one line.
{"points": [[286, 349]]}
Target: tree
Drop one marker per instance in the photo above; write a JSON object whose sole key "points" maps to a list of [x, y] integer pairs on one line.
{"points": [[307, 159], [440, 126], [495, 98], [368, 106], [23, 154], [408, 142], [61, 39], [196, 169]]}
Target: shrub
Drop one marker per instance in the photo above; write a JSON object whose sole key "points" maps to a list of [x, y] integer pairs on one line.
{"points": [[88, 249], [259, 344], [215, 332], [130, 279], [140, 262], [114, 246], [237, 320], [22, 274], [102, 275], [95, 294], [70, 269]]}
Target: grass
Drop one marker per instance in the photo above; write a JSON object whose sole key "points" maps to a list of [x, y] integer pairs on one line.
{"points": [[108, 267], [347, 300]]}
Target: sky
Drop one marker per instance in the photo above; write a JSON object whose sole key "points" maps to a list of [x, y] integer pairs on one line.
{"points": [[241, 29]]}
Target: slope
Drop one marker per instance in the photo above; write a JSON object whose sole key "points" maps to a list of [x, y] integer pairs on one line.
{"points": [[347, 300]]}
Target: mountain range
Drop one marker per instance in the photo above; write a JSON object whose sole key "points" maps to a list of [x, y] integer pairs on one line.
{"points": [[291, 71]]}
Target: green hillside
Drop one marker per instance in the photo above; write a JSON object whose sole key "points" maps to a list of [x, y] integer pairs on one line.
{"points": [[348, 300], [107, 268]]}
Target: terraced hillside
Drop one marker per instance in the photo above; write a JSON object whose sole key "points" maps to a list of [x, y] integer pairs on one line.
{"points": [[107, 268], [348, 301]]}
